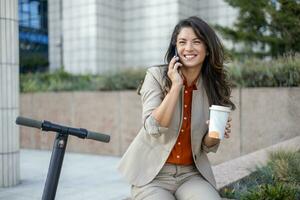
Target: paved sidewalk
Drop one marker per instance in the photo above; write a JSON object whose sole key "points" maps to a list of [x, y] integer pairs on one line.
{"points": [[83, 176], [95, 177]]}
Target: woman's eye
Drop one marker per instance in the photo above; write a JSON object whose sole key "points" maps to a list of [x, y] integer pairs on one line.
{"points": [[197, 42]]}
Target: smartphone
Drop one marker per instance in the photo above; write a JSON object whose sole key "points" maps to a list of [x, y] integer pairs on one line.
{"points": [[176, 53]]}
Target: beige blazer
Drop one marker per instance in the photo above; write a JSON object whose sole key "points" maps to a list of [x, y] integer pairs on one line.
{"points": [[151, 147]]}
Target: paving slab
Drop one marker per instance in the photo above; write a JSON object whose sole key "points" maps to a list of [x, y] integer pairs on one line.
{"points": [[83, 176]]}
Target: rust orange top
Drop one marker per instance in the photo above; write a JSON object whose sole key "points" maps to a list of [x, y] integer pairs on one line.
{"points": [[181, 153]]}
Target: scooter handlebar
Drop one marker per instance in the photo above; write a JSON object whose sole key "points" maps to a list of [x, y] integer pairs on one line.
{"points": [[48, 126]]}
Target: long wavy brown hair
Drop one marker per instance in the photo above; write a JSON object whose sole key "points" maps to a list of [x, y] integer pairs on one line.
{"points": [[215, 78]]}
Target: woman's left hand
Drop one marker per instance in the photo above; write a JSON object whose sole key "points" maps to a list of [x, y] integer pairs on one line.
{"points": [[228, 128]]}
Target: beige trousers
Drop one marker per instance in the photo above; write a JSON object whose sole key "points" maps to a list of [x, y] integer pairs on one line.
{"points": [[176, 182]]}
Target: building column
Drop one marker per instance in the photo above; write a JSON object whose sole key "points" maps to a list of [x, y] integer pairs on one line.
{"points": [[9, 93]]}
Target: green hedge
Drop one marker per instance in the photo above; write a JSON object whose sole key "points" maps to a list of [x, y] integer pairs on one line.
{"points": [[59, 80], [278, 180], [282, 72]]}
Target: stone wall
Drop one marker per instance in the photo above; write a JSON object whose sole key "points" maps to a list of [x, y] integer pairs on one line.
{"points": [[264, 116]]}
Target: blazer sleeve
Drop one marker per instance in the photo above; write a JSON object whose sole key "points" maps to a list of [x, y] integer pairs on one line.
{"points": [[152, 95], [210, 149]]}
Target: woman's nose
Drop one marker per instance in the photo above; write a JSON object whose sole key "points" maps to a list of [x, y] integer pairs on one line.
{"points": [[189, 46]]}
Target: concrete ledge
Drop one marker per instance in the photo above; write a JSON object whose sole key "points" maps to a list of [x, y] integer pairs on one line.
{"points": [[236, 169], [118, 113]]}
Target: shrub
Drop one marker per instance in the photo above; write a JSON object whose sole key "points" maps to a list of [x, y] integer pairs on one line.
{"points": [[279, 179], [281, 72], [63, 81], [286, 166], [126, 79], [278, 191]]}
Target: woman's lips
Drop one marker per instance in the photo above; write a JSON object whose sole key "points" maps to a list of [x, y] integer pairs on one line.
{"points": [[189, 56]]}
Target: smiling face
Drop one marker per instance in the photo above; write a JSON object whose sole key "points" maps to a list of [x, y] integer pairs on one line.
{"points": [[191, 49]]}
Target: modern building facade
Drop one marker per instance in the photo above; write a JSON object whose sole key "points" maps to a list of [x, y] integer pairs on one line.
{"points": [[33, 35], [9, 94], [96, 36]]}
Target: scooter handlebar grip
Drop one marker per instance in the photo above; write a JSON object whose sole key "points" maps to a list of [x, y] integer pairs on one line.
{"points": [[29, 122], [98, 136]]}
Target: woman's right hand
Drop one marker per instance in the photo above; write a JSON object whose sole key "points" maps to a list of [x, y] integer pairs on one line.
{"points": [[174, 72]]}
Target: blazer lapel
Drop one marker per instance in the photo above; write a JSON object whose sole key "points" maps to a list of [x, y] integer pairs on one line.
{"points": [[200, 114], [178, 112]]}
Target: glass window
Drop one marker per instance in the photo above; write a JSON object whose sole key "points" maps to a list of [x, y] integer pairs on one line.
{"points": [[24, 7], [35, 23], [24, 19], [33, 31], [34, 8]]}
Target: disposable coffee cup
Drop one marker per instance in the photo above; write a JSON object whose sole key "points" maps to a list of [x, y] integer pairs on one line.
{"points": [[217, 121]]}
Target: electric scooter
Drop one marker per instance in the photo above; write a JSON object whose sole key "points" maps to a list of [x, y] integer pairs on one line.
{"points": [[59, 147]]}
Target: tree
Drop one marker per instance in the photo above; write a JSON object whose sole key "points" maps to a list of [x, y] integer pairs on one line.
{"points": [[265, 27]]}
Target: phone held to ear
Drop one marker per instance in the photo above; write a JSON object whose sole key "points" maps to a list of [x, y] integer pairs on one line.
{"points": [[176, 55]]}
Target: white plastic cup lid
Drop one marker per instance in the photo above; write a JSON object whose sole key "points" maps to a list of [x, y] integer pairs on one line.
{"points": [[220, 108]]}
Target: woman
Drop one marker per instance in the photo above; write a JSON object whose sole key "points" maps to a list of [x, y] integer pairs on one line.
{"points": [[167, 159]]}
